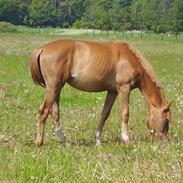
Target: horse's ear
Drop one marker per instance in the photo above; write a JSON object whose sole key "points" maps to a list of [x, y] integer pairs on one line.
{"points": [[167, 105]]}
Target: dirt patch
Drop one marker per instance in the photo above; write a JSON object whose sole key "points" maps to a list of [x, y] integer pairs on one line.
{"points": [[5, 138], [2, 90]]}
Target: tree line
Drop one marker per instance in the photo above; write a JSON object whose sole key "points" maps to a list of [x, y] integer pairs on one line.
{"points": [[120, 15]]}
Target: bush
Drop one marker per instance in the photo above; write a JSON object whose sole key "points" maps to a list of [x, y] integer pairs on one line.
{"points": [[77, 24], [7, 27], [126, 26]]}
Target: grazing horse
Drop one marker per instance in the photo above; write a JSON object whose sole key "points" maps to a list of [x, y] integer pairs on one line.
{"points": [[115, 67]]}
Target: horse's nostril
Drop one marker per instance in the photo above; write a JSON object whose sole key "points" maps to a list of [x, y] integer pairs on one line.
{"points": [[165, 126]]}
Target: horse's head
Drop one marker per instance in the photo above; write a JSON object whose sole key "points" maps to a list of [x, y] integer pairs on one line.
{"points": [[158, 121]]}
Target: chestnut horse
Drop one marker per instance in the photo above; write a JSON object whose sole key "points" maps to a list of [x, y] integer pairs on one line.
{"points": [[115, 67]]}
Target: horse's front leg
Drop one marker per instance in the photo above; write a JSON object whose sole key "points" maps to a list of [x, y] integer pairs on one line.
{"points": [[124, 92], [109, 101]]}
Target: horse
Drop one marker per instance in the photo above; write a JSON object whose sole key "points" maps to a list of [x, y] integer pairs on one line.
{"points": [[115, 67]]}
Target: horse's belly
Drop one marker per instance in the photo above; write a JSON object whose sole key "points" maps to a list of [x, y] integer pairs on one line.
{"points": [[92, 83], [92, 75]]}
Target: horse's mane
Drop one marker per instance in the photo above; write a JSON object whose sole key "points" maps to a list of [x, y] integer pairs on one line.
{"points": [[146, 66]]}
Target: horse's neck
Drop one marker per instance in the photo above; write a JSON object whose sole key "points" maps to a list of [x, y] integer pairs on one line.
{"points": [[152, 93]]}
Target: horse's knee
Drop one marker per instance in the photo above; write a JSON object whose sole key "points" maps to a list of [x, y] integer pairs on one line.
{"points": [[125, 115], [43, 113]]}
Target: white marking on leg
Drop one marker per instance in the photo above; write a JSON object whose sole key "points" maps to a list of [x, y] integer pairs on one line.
{"points": [[124, 133], [97, 138], [124, 137]]}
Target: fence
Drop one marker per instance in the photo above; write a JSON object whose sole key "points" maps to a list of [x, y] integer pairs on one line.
{"points": [[101, 35]]}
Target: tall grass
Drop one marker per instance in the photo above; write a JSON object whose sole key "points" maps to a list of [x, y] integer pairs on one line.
{"points": [[139, 161]]}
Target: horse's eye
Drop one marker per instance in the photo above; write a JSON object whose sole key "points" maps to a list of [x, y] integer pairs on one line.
{"points": [[166, 110]]}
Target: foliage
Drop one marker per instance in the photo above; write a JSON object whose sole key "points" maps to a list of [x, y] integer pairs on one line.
{"points": [[13, 11], [178, 16], [7, 27], [41, 13], [154, 15]]}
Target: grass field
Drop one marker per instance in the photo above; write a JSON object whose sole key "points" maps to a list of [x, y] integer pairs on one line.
{"points": [[141, 161]]}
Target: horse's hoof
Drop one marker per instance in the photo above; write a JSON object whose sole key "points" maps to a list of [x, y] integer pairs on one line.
{"points": [[63, 142], [39, 143], [98, 144], [124, 138], [60, 136]]}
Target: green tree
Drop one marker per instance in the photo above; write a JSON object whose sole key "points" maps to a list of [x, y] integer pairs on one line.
{"points": [[97, 15], [177, 16], [155, 15], [151, 15], [42, 13], [136, 14], [69, 11], [120, 15], [13, 11], [65, 13], [107, 15]]}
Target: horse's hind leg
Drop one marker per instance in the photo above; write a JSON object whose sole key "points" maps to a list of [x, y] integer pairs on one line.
{"points": [[109, 101], [55, 113], [50, 98]]}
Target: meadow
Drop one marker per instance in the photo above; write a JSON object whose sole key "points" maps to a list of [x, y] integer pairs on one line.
{"points": [[140, 161]]}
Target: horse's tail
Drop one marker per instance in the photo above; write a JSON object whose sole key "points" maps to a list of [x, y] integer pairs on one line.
{"points": [[36, 69]]}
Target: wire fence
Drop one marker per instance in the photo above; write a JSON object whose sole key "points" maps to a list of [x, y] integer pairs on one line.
{"points": [[102, 35]]}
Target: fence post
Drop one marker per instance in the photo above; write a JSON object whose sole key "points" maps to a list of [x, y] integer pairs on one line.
{"points": [[107, 33], [161, 35], [114, 32], [132, 34], [176, 35]]}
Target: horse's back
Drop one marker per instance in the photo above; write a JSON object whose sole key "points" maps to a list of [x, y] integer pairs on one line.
{"points": [[93, 66]]}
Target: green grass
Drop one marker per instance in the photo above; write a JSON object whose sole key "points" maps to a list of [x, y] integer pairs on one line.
{"points": [[139, 161]]}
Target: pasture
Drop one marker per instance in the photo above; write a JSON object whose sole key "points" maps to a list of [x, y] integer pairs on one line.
{"points": [[139, 161]]}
